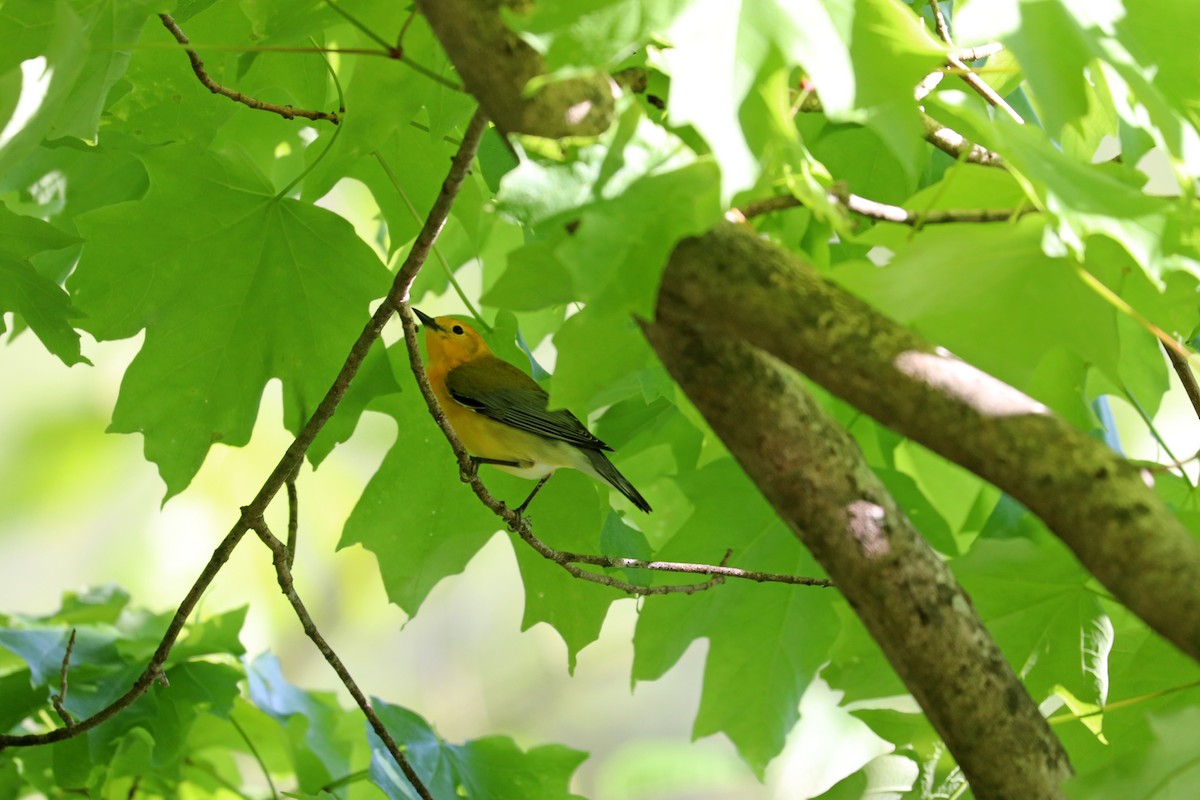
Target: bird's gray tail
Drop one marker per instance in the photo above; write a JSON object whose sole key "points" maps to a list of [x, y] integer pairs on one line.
{"points": [[605, 469]]}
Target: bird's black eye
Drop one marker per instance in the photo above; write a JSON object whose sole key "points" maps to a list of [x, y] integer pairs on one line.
{"points": [[457, 329]]}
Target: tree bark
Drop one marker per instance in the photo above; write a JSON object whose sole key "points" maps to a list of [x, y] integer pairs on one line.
{"points": [[813, 473], [1102, 507], [496, 66]]}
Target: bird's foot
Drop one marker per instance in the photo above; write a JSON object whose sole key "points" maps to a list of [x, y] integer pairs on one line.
{"points": [[519, 511]]}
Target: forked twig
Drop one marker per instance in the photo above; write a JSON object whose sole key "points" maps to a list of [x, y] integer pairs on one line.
{"points": [[57, 700]]}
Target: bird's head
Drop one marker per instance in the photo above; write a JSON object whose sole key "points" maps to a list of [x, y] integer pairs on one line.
{"points": [[450, 342]]}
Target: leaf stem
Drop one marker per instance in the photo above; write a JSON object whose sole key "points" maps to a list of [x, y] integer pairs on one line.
{"points": [[437, 251], [372, 35], [256, 755]]}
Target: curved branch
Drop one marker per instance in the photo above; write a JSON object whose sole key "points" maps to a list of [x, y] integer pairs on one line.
{"points": [[293, 457], [904, 592], [287, 112], [280, 557], [1098, 504]]}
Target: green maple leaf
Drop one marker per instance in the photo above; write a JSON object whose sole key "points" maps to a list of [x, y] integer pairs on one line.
{"points": [[41, 303], [234, 286]]}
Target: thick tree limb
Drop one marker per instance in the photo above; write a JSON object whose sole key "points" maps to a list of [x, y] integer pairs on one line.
{"points": [[496, 67], [1100, 505], [811, 470]]}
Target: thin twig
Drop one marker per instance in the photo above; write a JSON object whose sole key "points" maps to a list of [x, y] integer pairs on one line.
{"points": [[618, 562], [939, 21], [886, 212], [718, 572], [984, 89], [293, 456], [953, 143], [945, 139], [293, 529], [978, 53], [287, 112], [966, 73], [1187, 377], [284, 577], [153, 672], [566, 561], [59, 699]]}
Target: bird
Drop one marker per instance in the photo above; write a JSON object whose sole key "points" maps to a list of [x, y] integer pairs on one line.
{"points": [[500, 414]]}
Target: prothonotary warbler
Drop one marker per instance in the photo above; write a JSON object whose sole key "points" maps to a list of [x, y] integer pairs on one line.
{"points": [[500, 415]]}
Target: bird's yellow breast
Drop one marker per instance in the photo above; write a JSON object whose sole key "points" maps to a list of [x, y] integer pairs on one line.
{"points": [[536, 456]]}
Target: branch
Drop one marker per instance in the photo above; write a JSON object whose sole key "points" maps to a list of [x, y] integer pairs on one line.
{"points": [[498, 67], [287, 112], [717, 573], [59, 699], [966, 73], [984, 89], [294, 455], [953, 143], [618, 562], [945, 139], [979, 53], [939, 21], [293, 529], [813, 473], [283, 575], [884, 211], [1097, 503], [1188, 378]]}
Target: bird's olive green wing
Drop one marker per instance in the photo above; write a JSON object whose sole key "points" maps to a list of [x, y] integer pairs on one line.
{"points": [[499, 390]]}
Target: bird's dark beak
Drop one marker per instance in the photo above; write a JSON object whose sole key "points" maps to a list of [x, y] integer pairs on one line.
{"points": [[426, 320]]}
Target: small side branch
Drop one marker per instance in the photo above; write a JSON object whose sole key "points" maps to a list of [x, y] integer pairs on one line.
{"points": [[59, 699], [287, 112], [1187, 377], [939, 21], [968, 75], [884, 211], [714, 570], [293, 497], [945, 139], [283, 575], [953, 143]]}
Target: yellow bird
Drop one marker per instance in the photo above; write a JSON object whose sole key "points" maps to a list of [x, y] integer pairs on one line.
{"points": [[499, 413]]}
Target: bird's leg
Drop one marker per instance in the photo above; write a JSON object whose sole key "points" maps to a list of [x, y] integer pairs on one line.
{"points": [[466, 474], [519, 510]]}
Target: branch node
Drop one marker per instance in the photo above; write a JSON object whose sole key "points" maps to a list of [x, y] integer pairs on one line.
{"points": [[57, 700]]}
